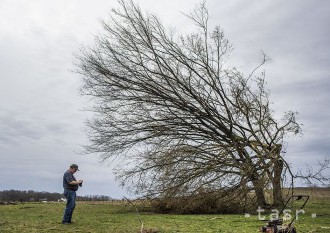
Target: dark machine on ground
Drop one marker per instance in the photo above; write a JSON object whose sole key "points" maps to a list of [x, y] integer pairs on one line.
{"points": [[277, 226]]}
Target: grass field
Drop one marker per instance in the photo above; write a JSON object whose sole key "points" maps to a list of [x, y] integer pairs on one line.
{"points": [[122, 217]]}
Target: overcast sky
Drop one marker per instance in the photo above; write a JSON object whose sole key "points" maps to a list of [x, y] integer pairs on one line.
{"points": [[41, 110]]}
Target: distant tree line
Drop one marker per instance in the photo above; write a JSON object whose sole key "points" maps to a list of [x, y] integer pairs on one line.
{"points": [[94, 198], [30, 195]]}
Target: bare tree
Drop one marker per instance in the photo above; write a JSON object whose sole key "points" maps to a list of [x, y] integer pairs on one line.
{"points": [[180, 117]]}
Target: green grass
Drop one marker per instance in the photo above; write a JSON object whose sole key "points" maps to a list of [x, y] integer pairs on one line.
{"points": [[122, 217]]}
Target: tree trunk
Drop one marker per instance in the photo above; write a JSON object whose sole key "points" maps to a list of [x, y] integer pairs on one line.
{"points": [[259, 189], [277, 183]]}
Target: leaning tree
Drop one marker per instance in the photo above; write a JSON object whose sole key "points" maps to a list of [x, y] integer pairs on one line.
{"points": [[175, 112]]}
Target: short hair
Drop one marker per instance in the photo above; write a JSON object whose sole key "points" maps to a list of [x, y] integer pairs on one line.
{"points": [[75, 166]]}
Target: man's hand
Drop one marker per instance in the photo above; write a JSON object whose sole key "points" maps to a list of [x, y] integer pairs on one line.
{"points": [[75, 182]]}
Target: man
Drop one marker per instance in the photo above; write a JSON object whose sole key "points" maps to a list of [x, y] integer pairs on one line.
{"points": [[70, 185]]}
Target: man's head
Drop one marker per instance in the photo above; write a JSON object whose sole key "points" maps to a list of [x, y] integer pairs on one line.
{"points": [[74, 168]]}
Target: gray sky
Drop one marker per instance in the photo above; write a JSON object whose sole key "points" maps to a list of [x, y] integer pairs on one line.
{"points": [[41, 117]]}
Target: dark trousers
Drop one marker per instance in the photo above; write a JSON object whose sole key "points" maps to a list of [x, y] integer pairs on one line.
{"points": [[70, 205]]}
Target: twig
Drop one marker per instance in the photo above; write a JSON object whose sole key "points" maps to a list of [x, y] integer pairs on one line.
{"points": [[137, 212]]}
